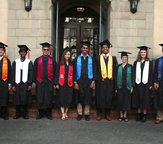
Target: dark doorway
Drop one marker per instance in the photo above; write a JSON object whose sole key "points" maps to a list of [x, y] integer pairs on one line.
{"points": [[79, 26]]}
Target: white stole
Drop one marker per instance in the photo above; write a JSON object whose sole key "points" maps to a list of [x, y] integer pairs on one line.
{"points": [[145, 72], [21, 66]]}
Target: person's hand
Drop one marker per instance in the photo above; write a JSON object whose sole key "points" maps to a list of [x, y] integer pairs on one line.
{"points": [[150, 88], [14, 89], [92, 86], [29, 88], [131, 91], [57, 86], [76, 86], [156, 86]]}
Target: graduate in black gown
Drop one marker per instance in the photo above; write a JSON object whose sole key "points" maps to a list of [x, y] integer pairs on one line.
{"points": [[143, 74], [5, 81], [158, 84], [84, 80], [124, 86], [65, 83], [44, 75], [22, 78], [105, 88]]}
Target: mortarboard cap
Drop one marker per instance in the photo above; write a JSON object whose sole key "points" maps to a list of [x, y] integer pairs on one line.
{"points": [[143, 47], [161, 44], [87, 43], [2, 45], [123, 53], [106, 42], [23, 48], [45, 45]]}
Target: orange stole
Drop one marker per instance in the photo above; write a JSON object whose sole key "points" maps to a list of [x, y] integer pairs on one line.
{"points": [[4, 69]]}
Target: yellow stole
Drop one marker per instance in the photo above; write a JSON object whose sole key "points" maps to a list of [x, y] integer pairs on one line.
{"points": [[4, 69], [106, 73]]}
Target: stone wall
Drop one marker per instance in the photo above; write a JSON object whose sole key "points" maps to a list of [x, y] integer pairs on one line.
{"points": [[131, 30], [30, 28]]}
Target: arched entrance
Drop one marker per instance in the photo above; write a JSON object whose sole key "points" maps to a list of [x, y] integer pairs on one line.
{"points": [[77, 20]]}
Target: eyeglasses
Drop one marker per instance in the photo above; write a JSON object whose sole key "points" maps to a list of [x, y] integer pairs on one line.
{"points": [[45, 49], [84, 47]]}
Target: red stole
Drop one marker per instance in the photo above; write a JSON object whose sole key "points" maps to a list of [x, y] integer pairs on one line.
{"points": [[62, 75], [40, 69], [4, 69]]}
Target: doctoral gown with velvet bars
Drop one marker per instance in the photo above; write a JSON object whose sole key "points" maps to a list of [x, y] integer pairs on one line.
{"points": [[141, 94], [158, 99], [123, 94], [84, 94], [4, 84], [105, 89], [22, 96], [44, 89]]}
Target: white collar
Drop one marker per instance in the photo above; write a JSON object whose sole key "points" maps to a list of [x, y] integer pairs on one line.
{"points": [[1, 57]]}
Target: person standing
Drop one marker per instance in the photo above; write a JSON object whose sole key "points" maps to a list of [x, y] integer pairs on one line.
{"points": [[143, 73], [124, 86], [65, 83], [5, 81], [158, 85], [84, 80], [106, 72], [22, 78], [44, 74]]}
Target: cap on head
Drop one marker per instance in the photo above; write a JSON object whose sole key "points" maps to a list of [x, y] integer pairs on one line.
{"points": [[143, 48], [106, 42], [2, 45], [23, 48], [45, 45], [124, 53], [87, 43]]}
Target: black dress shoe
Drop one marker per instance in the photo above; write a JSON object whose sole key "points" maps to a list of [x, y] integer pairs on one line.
{"points": [[16, 117], [25, 117], [39, 116], [5, 117], [144, 118], [49, 117], [87, 118], [79, 117]]}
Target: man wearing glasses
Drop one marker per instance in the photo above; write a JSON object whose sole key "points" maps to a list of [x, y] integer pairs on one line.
{"points": [[44, 70]]}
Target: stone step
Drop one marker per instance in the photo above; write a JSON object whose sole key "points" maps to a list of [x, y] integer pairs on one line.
{"points": [[73, 114]]}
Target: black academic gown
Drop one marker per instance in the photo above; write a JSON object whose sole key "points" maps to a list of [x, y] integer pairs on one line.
{"points": [[4, 84], [123, 94], [84, 94], [44, 89], [141, 93], [22, 96], [105, 89], [158, 100], [65, 93]]}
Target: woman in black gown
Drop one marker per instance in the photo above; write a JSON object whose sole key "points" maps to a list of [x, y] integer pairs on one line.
{"points": [[65, 83], [143, 71]]}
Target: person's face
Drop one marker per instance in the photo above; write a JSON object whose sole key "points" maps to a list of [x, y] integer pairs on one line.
{"points": [[23, 54], [143, 54], [2, 52], [45, 51], [124, 59], [85, 49], [67, 56], [105, 49]]}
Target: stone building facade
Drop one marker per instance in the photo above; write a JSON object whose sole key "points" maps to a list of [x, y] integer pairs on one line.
{"points": [[126, 30]]}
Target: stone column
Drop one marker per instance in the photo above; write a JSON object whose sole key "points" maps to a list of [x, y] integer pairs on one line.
{"points": [[3, 20], [158, 27]]}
